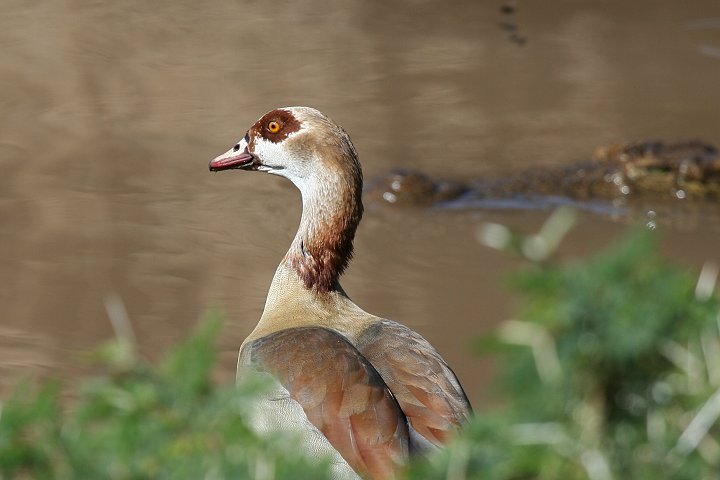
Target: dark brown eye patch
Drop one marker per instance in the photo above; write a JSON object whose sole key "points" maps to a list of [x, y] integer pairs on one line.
{"points": [[277, 125]]}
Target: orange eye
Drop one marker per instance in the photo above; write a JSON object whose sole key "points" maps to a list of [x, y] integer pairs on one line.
{"points": [[273, 127]]}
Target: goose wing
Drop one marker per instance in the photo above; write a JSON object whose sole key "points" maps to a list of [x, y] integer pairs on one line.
{"points": [[424, 385], [341, 394]]}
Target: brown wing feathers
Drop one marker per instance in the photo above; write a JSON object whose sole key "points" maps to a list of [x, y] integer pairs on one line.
{"points": [[425, 387], [341, 394]]}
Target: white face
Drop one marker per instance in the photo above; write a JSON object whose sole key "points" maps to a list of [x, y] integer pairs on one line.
{"points": [[278, 159], [272, 155], [268, 156], [286, 142]]}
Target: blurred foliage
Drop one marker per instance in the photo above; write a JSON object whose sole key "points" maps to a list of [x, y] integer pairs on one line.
{"points": [[612, 371], [146, 422]]}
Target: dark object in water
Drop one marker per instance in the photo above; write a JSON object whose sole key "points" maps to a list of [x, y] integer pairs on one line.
{"points": [[614, 175]]}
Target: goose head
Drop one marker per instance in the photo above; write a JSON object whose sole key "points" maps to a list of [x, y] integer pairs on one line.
{"points": [[298, 143], [306, 147]]}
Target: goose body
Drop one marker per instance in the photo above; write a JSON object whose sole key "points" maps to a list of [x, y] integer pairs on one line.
{"points": [[373, 389]]}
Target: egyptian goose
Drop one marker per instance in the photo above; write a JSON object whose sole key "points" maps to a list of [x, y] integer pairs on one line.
{"points": [[377, 390]]}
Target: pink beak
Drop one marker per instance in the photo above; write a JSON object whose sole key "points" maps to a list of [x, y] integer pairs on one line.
{"points": [[230, 160], [236, 157]]}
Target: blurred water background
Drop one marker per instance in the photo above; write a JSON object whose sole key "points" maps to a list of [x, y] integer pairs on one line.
{"points": [[110, 112]]}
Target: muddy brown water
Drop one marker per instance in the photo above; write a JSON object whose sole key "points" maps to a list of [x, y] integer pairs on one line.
{"points": [[110, 112]]}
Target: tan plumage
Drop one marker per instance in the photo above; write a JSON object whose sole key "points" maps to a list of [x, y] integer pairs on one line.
{"points": [[375, 389]]}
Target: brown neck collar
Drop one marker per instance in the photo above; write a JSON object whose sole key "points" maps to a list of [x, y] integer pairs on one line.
{"points": [[323, 246]]}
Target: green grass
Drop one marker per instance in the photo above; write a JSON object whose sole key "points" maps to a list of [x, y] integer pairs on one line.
{"points": [[145, 421], [611, 371]]}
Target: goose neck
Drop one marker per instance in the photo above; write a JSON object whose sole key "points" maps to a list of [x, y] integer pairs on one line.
{"points": [[323, 245]]}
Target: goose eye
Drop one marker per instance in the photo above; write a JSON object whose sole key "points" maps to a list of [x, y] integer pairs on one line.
{"points": [[273, 127]]}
